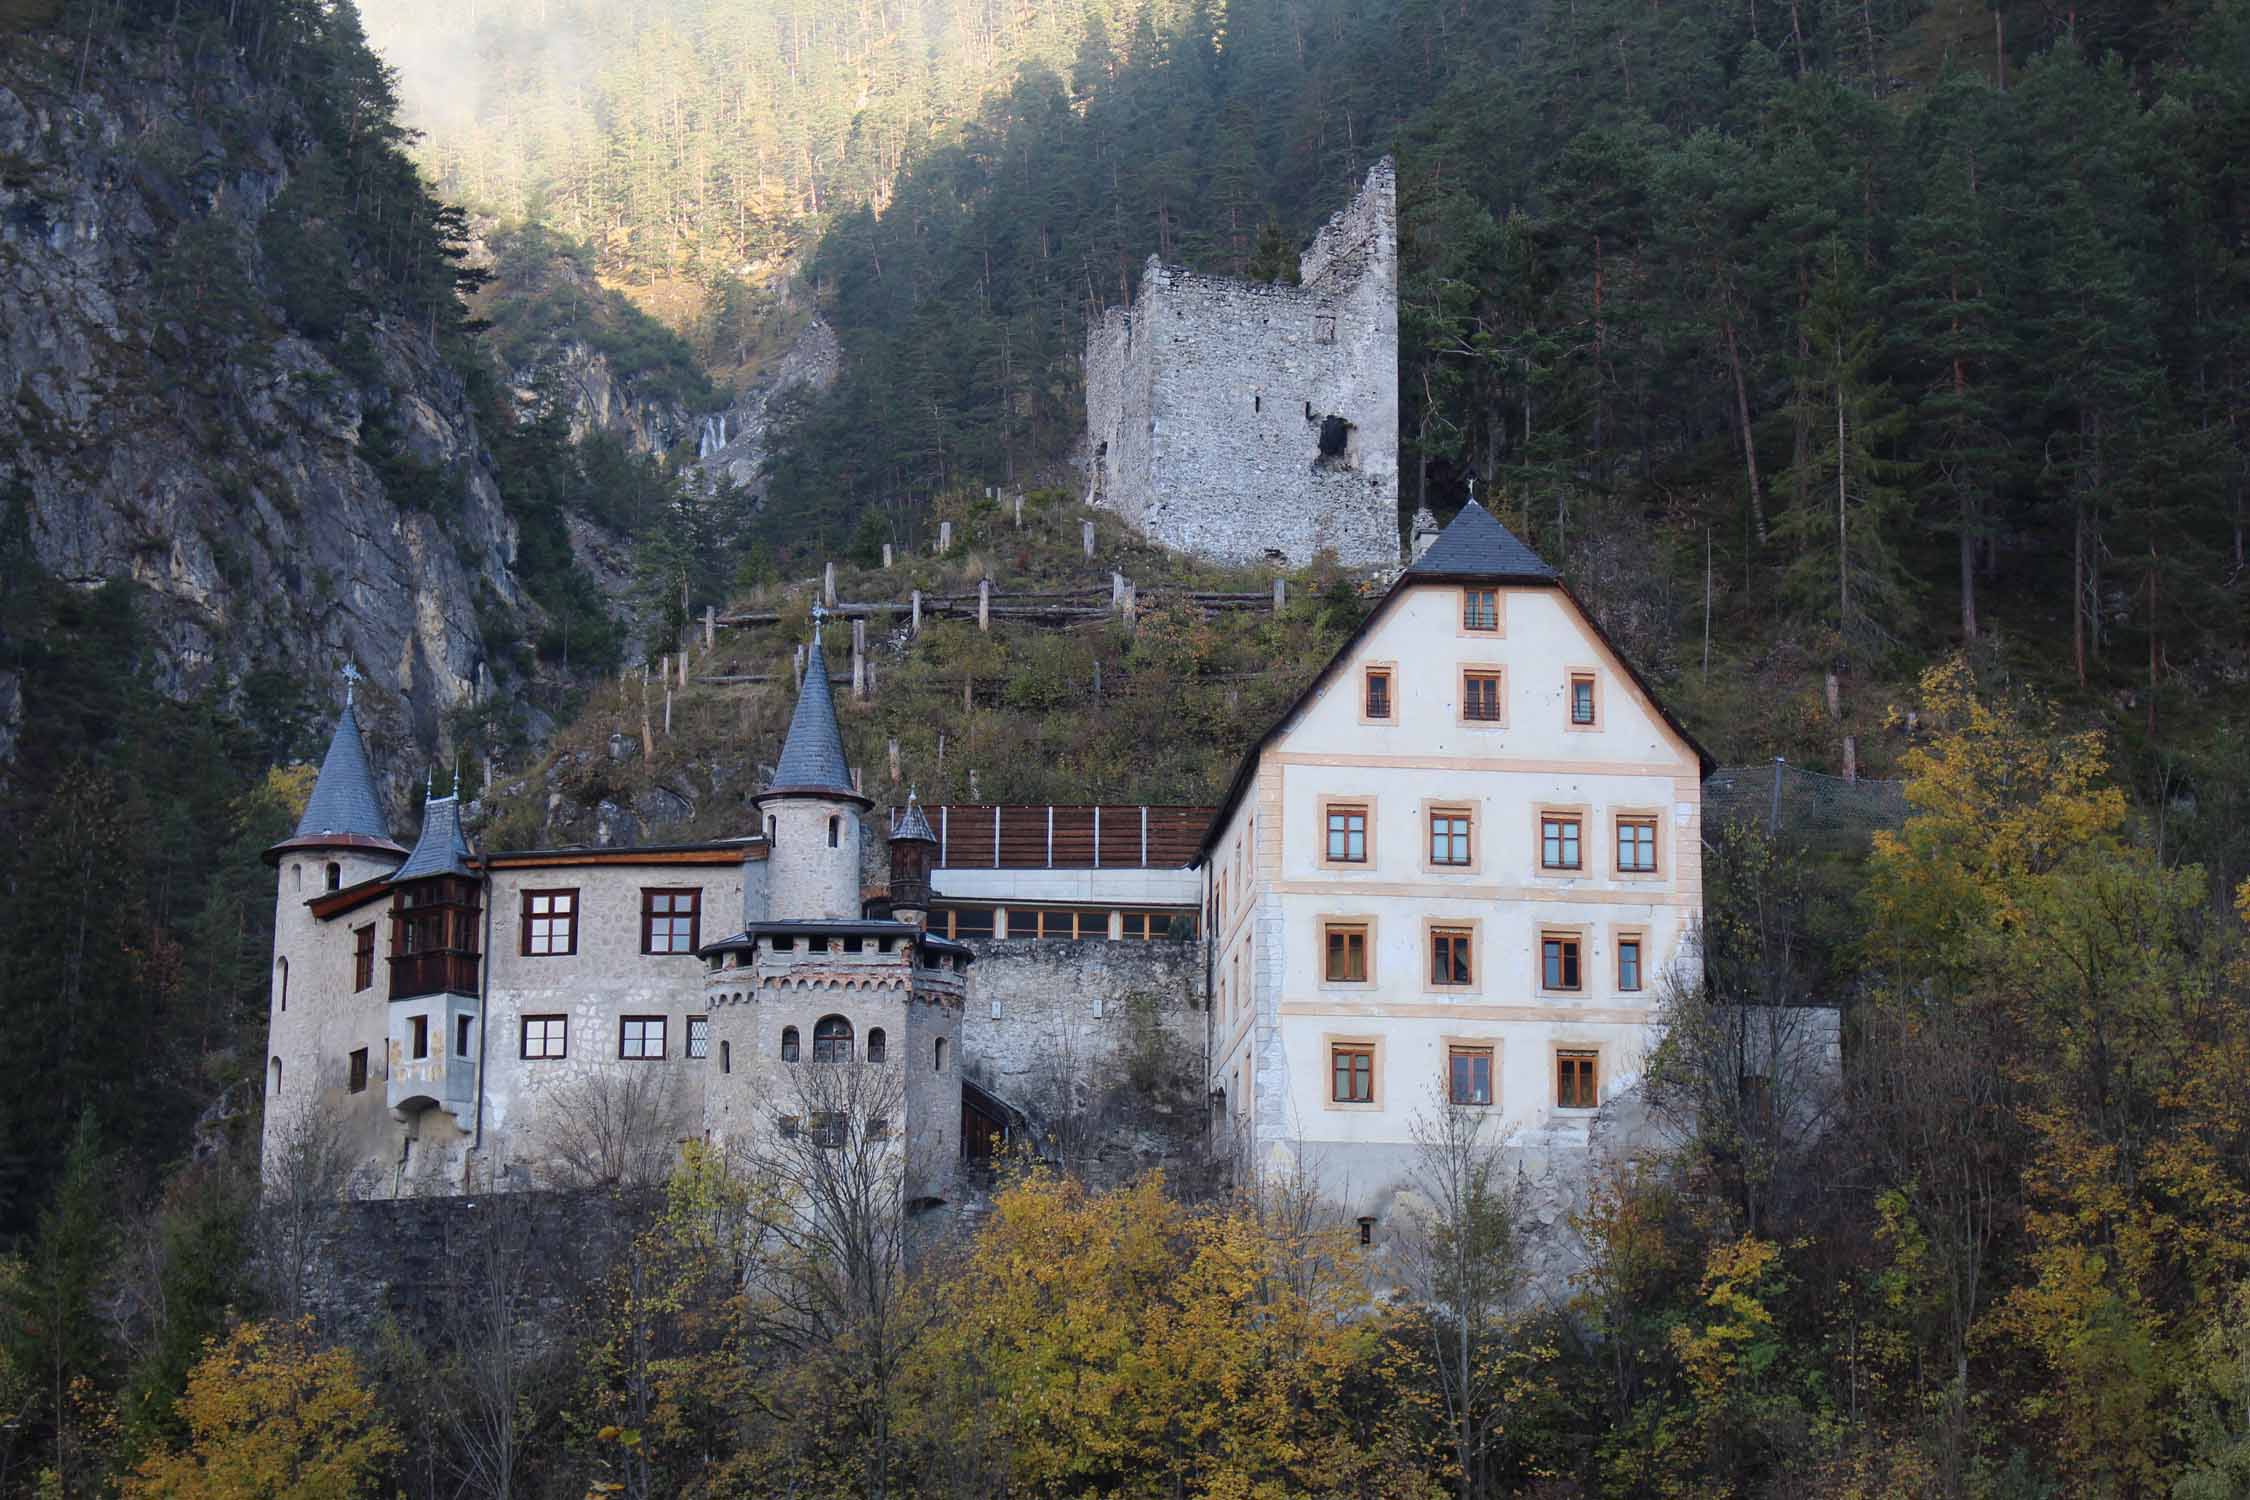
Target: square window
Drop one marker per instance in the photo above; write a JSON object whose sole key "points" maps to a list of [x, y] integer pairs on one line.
{"points": [[1347, 834], [363, 957], [421, 1029], [1480, 697], [1450, 961], [359, 1071], [830, 1129], [669, 920], [640, 1037], [550, 923], [1378, 704], [1346, 948], [1558, 841], [1582, 698], [1636, 846], [1449, 838], [462, 1027], [1468, 1075], [1629, 964], [1324, 328], [1558, 961], [1352, 1074], [1480, 610], [699, 1036], [1577, 1080], [546, 1036]]}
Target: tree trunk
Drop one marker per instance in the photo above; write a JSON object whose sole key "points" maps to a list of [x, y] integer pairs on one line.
{"points": [[1742, 417], [2078, 589]]}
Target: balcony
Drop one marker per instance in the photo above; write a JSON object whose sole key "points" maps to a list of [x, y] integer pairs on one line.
{"points": [[433, 973]]}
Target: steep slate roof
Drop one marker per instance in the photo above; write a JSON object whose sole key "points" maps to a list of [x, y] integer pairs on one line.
{"points": [[343, 810], [812, 757], [912, 824], [442, 849], [1473, 548]]}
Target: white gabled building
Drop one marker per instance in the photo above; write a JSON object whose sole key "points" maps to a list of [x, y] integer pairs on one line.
{"points": [[1457, 868]]}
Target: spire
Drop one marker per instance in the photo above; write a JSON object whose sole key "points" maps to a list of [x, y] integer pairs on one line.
{"points": [[442, 849], [343, 809], [911, 823], [812, 757]]}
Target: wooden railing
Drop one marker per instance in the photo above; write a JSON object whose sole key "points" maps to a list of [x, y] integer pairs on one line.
{"points": [[433, 973], [986, 836]]}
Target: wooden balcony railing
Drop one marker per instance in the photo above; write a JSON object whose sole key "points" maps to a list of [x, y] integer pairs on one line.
{"points": [[432, 973], [983, 836]]}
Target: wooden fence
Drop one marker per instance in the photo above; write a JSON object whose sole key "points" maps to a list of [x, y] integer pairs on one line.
{"points": [[990, 836]]}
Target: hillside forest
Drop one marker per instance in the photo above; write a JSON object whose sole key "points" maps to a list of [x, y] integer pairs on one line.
{"points": [[1882, 343]]}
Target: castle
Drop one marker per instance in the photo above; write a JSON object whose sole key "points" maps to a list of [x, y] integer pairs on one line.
{"points": [[1454, 873], [1243, 421]]}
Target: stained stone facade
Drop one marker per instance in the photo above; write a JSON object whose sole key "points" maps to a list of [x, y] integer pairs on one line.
{"points": [[1241, 421]]}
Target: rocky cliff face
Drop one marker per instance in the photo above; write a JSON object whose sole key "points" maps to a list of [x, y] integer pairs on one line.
{"points": [[163, 418], [733, 444]]}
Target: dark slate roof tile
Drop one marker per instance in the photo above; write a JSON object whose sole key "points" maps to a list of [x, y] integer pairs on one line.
{"points": [[343, 799], [442, 849], [1474, 545], [812, 758]]}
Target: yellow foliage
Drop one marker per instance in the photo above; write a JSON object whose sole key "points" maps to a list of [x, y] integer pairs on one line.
{"points": [[1724, 1347], [271, 1417]]}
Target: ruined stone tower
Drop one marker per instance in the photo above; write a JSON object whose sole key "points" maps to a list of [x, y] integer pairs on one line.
{"points": [[1238, 421]]}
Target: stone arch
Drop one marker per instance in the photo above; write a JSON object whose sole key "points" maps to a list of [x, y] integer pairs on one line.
{"points": [[832, 1040]]}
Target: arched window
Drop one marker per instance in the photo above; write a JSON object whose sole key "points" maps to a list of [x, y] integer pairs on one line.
{"points": [[273, 1080], [835, 831], [335, 876], [788, 1044], [939, 1064], [281, 983], [726, 1057], [832, 1040], [875, 1044], [296, 875], [769, 830]]}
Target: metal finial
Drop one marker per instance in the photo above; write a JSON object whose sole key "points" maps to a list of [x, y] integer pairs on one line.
{"points": [[911, 795], [429, 784], [819, 617], [351, 681], [1472, 487]]}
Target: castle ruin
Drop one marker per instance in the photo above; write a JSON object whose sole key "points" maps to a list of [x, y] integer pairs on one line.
{"points": [[1242, 421]]}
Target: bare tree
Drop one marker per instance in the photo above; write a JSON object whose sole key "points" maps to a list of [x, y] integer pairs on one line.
{"points": [[307, 1170], [490, 1312], [1463, 1269], [611, 1129]]}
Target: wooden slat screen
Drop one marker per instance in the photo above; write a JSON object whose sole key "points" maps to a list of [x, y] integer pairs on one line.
{"points": [[1024, 844]]}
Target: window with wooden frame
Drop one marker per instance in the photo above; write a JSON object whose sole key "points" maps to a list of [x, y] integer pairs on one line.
{"points": [[1636, 845], [1560, 968], [671, 920], [546, 1037], [421, 1036], [1346, 828], [1151, 926], [363, 957], [1480, 611], [1578, 1080], [549, 923], [1629, 962], [1377, 705], [1351, 1073], [1559, 841], [1452, 957], [358, 1078], [640, 1038], [1468, 1075], [699, 1036], [1344, 952], [1585, 705], [1451, 837], [1481, 701]]}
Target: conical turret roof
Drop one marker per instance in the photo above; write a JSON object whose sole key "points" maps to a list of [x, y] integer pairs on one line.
{"points": [[912, 824], [343, 811], [442, 849], [812, 757]]}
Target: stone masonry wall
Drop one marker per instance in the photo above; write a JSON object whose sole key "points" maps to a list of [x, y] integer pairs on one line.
{"points": [[1236, 420]]}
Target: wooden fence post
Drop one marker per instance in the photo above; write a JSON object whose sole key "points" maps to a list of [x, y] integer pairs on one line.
{"points": [[886, 557], [984, 604], [1086, 533], [710, 627], [944, 537], [1280, 594], [915, 626], [859, 660], [828, 585]]}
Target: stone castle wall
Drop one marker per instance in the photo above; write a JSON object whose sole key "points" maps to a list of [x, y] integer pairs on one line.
{"points": [[1240, 420]]}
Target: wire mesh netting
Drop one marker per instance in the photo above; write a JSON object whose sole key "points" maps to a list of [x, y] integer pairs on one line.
{"points": [[1806, 808]]}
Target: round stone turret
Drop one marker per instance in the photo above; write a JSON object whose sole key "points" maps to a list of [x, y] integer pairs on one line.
{"points": [[811, 812]]}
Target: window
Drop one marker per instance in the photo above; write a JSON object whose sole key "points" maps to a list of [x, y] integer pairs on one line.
{"points": [[835, 831], [669, 920], [962, 922], [938, 1059], [876, 1044], [1351, 1073], [421, 1026], [363, 957], [1347, 833], [699, 1036], [1450, 963], [641, 1037], [1558, 841], [1449, 837], [1582, 713], [1149, 926], [830, 1129], [1558, 961], [1628, 963], [1468, 1075], [832, 1040], [1324, 328], [726, 1057], [1577, 1080], [1378, 704], [788, 1125], [546, 1036], [1480, 696], [788, 1044], [281, 982], [878, 1129], [1480, 610], [359, 1071], [461, 1029], [335, 876], [1345, 944], [550, 923], [1636, 846]]}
